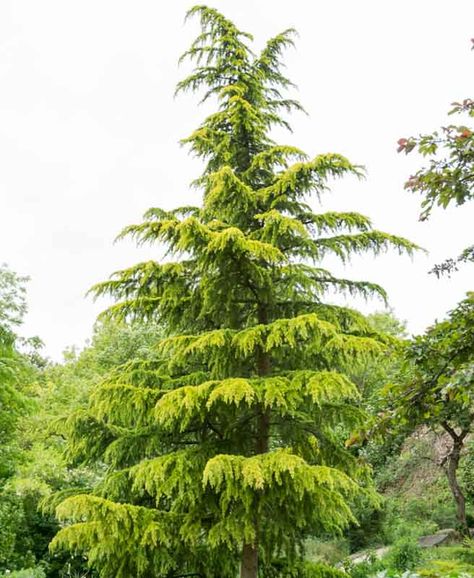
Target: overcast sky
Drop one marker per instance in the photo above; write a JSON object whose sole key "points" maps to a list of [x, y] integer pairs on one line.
{"points": [[89, 134]]}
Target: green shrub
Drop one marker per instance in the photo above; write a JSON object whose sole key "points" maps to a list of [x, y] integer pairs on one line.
{"points": [[368, 532], [406, 554], [409, 518], [369, 567], [330, 552], [446, 569], [16, 543], [318, 570], [466, 472], [458, 553], [281, 569]]}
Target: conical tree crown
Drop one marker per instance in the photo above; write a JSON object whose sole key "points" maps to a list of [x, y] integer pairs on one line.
{"points": [[229, 448]]}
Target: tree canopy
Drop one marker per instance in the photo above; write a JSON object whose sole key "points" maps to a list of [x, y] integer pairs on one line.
{"points": [[449, 176], [439, 393], [12, 365], [227, 449]]}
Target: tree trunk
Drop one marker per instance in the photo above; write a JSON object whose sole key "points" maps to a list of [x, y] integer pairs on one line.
{"points": [[249, 561], [249, 565], [451, 473], [451, 470]]}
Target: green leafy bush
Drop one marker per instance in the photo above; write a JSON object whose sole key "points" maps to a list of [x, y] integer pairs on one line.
{"points": [[466, 472], [369, 530], [458, 553], [326, 551], [447, 569], [409, 518], [370, 567], [16, 544], [281, 569], [406, 554], [318, 570]]}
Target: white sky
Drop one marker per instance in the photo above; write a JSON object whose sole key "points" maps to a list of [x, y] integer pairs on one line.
{"points": [[89, 130]]}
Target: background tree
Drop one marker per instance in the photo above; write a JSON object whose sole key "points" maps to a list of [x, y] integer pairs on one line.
{"points": [[12, 365], [449, 176], [229, 450], [12, 298], [441, 392], [16, 371], [41, 474], [371, 376]]}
